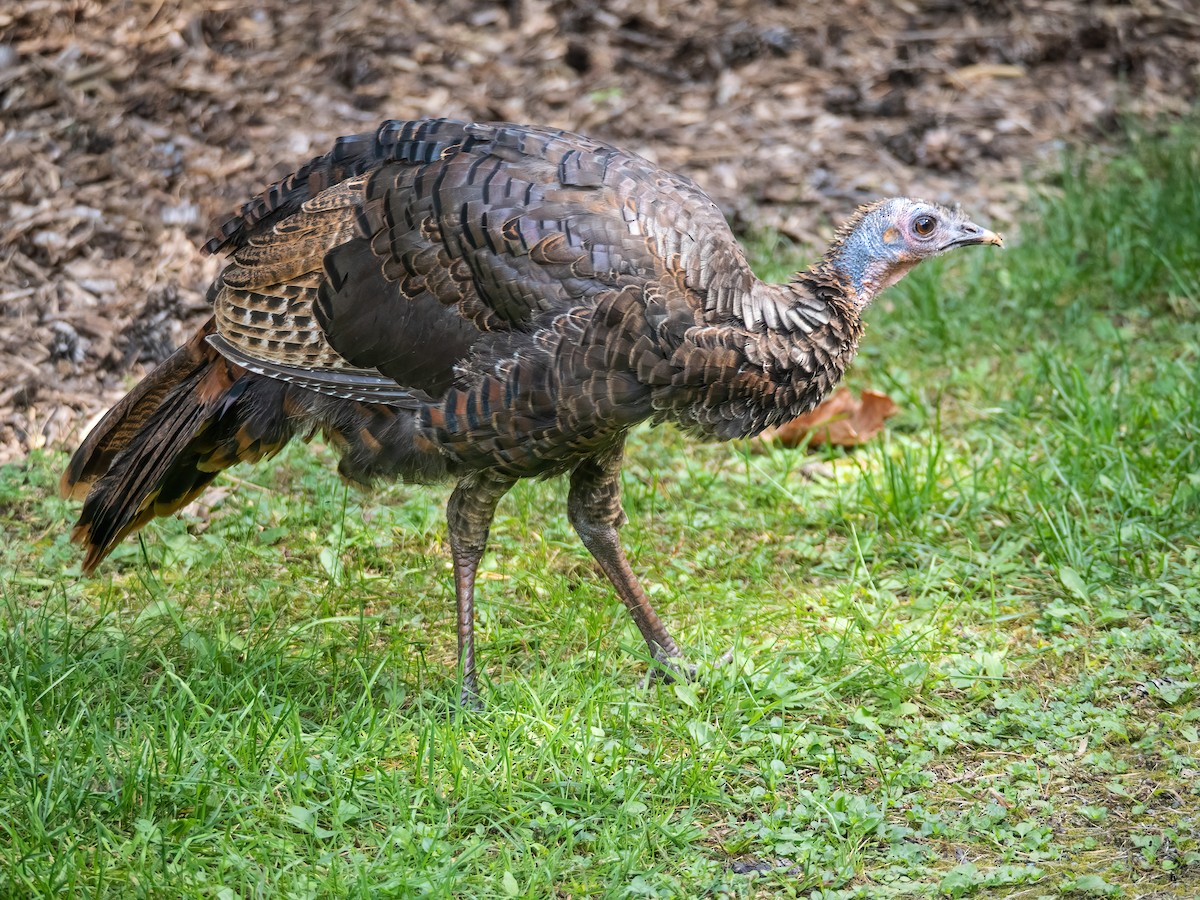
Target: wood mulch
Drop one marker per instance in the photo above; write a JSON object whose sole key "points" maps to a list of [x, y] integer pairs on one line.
{"points": [[127, 126]]}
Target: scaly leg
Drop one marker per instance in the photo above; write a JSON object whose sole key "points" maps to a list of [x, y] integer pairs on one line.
{"points": [[594, 505], [469, 517]]}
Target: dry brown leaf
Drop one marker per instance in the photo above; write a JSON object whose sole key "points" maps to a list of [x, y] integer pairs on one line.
{"points": [[842, 419]]}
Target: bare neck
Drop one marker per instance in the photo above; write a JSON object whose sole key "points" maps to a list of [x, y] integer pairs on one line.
{"points": [[861, 260]]}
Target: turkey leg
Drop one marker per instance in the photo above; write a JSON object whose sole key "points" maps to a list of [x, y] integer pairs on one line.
{"points": [[468, 518], [594, 506]]}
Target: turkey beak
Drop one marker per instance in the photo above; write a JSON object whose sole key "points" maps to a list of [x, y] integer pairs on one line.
{"points": [[969, 233]]}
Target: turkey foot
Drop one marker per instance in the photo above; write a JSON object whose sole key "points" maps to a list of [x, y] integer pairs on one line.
{"points": [[670, 670]]}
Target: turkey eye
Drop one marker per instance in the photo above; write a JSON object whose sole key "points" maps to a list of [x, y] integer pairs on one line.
{"points": [[924, 225]]}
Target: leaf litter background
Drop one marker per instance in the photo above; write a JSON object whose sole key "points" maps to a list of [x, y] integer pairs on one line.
{"points": [[128, 126]]}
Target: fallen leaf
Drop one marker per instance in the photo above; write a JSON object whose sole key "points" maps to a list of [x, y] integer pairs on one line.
{"points": [[842, 419]]}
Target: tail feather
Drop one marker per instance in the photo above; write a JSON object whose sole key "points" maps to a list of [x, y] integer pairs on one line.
{"points": [[199, 413], [162, 445], [120, 424]]}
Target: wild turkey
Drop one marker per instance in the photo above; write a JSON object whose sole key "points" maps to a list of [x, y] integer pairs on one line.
{"points": [[488, 302]]}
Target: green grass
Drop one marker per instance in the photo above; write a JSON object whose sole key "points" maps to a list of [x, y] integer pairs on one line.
{"points": [[965, 663]]}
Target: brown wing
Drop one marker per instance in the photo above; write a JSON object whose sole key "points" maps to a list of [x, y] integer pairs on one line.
{"points": [[372, 271]]}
